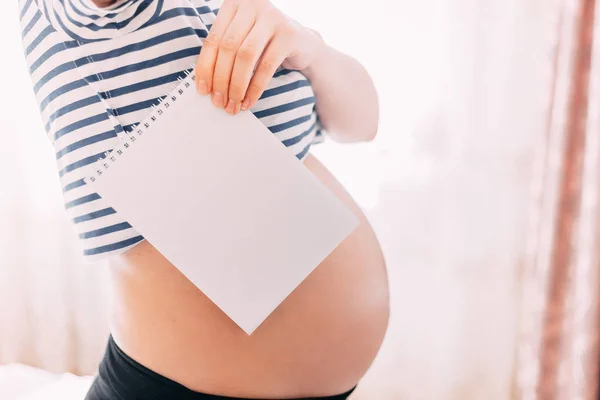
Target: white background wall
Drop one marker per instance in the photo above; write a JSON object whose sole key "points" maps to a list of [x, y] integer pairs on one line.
{"points": [[462, 85]]}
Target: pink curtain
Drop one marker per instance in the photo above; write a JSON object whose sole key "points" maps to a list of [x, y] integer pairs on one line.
{"points": [[558, 355]]}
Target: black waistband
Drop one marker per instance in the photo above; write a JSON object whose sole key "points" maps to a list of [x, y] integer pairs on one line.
{"points": [[128, 379]]}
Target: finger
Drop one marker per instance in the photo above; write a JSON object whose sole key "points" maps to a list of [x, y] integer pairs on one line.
{"points": [[246, 58], [210, 47], [234, 37], [276, 52]]}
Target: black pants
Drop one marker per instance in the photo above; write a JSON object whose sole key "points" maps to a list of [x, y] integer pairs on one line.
{"points": [[122, 378]]}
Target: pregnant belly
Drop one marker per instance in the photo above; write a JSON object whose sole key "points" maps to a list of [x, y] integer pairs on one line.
{"points": [[319, 342]]}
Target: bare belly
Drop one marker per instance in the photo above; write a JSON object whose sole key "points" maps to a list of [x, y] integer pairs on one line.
{"points": [[319, 342]]}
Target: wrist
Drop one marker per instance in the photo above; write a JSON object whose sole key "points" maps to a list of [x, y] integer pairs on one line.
{"points": [[319, 50]]}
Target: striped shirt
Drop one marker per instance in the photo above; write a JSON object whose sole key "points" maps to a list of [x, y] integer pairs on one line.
{"points": [[96, 73]]}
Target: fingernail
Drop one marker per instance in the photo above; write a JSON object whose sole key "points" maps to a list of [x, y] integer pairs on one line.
{"points": [[245, 104], [237, 108], [230, 107], [218, 99], [202, 87]]}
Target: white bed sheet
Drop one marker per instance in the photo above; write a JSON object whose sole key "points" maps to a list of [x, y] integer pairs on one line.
{"points": [[20, 382]]}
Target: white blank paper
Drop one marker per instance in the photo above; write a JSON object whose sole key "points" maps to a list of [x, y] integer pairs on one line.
{"points": [[224, 201]]}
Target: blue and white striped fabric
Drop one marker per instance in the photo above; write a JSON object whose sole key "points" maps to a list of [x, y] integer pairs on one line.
{"points": [[97, 72]]}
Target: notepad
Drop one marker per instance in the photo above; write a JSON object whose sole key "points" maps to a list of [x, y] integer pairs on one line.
{"points": [[224, 201]]}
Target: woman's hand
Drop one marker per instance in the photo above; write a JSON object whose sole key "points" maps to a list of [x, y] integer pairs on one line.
{"points": [[245, 34]]}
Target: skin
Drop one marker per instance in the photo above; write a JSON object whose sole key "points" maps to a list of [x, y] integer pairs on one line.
{"points": [[322, 339], [319, 342], [104, 3]]}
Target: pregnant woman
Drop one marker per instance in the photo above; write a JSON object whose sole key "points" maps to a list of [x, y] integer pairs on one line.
{"points": [[97, 68]]}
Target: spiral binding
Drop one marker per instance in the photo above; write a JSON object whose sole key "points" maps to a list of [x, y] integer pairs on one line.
{"points": [[128, 139]]}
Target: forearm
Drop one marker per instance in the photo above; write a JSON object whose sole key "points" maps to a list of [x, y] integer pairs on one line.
{"points": [[346, 97]]}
